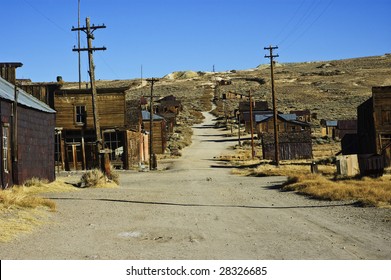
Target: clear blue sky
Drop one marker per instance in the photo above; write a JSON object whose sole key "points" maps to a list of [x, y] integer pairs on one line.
{"points": [[172, 35]]}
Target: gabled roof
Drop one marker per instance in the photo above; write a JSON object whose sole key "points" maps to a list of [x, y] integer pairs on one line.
{"points": [[147, 116], [7, 91], [291, 118]]}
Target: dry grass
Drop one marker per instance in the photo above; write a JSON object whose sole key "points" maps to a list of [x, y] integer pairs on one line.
{"points": [[21, 209], [366, 191], [96, 179], [13, 222]]}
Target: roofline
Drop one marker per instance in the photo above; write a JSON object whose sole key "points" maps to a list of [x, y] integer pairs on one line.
{"points": [[11, 64], [88, 90]]}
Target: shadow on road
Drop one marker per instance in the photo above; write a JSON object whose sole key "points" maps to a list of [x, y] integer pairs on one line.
{"points": [[205, 205]]}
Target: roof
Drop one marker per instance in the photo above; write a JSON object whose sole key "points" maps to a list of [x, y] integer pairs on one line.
{"points": [[11, 64], [110, 90], [329, 123], [7, 91], [147, 116], [291, 118]]}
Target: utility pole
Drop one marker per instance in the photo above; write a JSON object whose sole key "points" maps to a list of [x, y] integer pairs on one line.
{"points": [[252, 126], [89, 30], [78, 40], [152, 158], [275, 113]]}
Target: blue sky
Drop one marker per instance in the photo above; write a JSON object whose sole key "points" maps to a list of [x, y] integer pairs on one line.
{"points": [[173, 35]]}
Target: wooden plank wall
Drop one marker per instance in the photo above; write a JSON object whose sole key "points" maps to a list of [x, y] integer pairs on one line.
{"points": [[111, 109]]}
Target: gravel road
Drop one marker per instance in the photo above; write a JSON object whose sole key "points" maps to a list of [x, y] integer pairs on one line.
{"points": [[197, 210]]}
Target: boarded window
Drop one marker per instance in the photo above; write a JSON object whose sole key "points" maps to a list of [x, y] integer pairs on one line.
{"points": [[80, 114], [5, 145]]}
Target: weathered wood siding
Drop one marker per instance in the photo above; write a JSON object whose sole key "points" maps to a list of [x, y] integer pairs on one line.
{"points": [[158, 136], [35, 145], [293, 145], [111, 108]]}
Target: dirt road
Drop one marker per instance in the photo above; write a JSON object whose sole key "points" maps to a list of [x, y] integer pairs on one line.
{"points": [[195, 211]]}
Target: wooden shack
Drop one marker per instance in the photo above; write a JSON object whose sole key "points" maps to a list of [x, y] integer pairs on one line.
{"points": [[374, 124], [27, 135], [77, 139], [159, 131]]}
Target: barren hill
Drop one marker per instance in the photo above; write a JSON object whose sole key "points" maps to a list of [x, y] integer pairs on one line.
{"points": [[332, 89]]}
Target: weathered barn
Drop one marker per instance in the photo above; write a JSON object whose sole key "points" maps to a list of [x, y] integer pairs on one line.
{"points": [[27, 135], [374, 124], [292, 145], [76, 140]]}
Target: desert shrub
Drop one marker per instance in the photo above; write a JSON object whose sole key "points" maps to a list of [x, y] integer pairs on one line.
{"points": [[92, 178]]}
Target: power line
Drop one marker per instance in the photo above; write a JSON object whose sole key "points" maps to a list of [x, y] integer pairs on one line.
{"points": [[304, 17], [46, 17], [309, 26]]}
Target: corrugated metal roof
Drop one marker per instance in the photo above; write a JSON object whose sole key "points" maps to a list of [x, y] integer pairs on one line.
{"points": [[7, 91], [147, 116]]}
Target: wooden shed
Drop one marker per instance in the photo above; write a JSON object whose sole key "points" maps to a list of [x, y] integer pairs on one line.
{"points": [[27, 136], [374, 124]]}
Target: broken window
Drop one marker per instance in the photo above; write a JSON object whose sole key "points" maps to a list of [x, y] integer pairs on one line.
{"points": [[80, 114]]}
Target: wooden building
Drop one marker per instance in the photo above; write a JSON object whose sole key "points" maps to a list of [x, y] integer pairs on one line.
{"points": [[76, 138], [169, 107], [285, 123], [302, 115], [27, 134], [345, 127], [374, 124], [159, 131], [292, 145], [328, 127], [258, 108]]}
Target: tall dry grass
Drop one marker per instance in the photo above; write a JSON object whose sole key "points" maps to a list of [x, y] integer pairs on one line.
{"points": [[365, 191]]}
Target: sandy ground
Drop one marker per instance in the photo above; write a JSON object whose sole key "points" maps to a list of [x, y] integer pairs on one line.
{"points": [[196, 210]]}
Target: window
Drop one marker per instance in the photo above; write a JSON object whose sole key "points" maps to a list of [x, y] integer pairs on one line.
{"points": [[80, 114], [5, 147]]}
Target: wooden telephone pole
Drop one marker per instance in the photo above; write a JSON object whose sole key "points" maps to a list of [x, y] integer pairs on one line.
{"points": [[88, 29], [152, 159], [275, 113]]}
